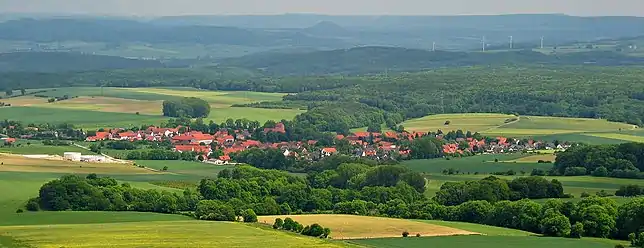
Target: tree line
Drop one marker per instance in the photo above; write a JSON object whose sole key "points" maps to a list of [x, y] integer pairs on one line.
{"points": [[388, 191], [620, 160]]}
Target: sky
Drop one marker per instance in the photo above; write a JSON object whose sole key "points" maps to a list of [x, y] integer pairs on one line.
{"points": [[334, 7]]}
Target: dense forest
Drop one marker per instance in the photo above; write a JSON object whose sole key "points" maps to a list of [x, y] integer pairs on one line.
{"points": [[388, 191]]}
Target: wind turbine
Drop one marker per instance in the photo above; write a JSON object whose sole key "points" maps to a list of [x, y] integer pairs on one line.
{"points": [[483, 41], [434, 46], [541, 42], [511, 42]]}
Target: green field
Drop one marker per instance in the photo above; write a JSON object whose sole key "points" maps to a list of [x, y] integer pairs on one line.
{"points": [[480, 163], [469, 122], [483, 242], [482, 229], [97, 107], [593, 131]]}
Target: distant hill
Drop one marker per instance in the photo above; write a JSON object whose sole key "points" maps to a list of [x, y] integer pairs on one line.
{"points": [[109, 30], [380, 59], [61, 62], [327, 28]]}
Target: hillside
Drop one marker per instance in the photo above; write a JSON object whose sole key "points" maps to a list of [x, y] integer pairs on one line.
{"points": [[62, 62], [362, 60]]}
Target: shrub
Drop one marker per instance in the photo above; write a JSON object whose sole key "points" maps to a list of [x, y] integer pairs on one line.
{"points": [[575, 171], [600, 172], [418, 235], [19, 211], [314, 230], [278, 223], [327, 232], [585, 194], [405, 234], [33, 205], [249, 215], [165, 168], [620, 246]]}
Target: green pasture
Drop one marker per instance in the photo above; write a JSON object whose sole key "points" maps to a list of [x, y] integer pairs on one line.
{"points": [[540, 125], [479, 241]]}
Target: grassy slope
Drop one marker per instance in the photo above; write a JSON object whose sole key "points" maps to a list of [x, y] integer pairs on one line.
{"points": [[42, 149], [483, 242]]}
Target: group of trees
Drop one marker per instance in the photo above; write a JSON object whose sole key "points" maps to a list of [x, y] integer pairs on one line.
{"points": [[622, 160], [388, 191], [314, 230], [105, 194], [190, 107], [161, 154], [493, 189]]}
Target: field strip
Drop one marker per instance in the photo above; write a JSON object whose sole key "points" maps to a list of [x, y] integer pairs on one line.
{"points": [[502, 125], [625, 137], [364, 227]]}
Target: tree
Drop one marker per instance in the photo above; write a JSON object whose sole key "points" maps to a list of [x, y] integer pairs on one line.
{"points": [[374, 128], [555, 224], [214, 210], [630, 218], [191, 107], [425, 148], [278, 223], [249, 215]]}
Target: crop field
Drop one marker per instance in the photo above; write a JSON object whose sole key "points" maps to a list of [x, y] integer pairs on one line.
{"points": [[535, 158], [477, 241], [357, 227], [465, 122], [109, 107], [18, 163], [157, 234], [481, 164]]}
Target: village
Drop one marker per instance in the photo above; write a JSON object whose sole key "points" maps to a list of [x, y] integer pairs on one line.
{"points": [[219, 147]]}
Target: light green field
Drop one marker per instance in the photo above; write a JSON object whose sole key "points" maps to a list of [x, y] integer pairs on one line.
{"points": [[626, 137], [118, 107], [158, 234], [472, 164], [474, 241], [467, 122], [42, 149], [538, 125]]}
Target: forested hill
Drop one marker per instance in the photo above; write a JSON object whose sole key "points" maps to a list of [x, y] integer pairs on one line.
{"points": [[364, 60], [62, 62]]}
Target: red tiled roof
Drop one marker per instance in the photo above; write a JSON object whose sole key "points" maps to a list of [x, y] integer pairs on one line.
{"points": [[339, 137], [224, 158], [233, 150], [329, 150], [391, 135], [9, 140], [362, 134], [312, 142], [249, 143], [192, 148], [182, 138]]}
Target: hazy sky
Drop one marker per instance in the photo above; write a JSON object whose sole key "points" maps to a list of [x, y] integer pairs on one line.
{"points": [[361, 7]]}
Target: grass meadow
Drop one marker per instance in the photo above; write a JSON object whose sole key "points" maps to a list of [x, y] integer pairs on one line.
{"points": [[481, 164], [465, 122]]}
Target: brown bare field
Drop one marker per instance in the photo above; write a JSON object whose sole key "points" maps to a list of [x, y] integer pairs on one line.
{"points": [[361, 227], [18, 163]]}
